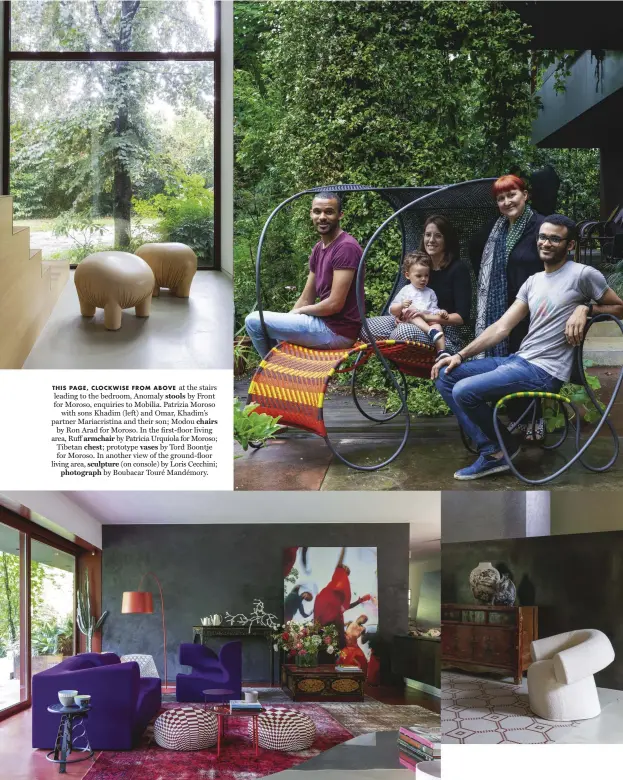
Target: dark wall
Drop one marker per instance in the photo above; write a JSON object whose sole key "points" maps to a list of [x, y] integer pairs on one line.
{"points": [[217, 568], [575, 580]]}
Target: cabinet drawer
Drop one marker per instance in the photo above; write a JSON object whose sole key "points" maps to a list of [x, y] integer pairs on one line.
{"points": [[495, 647]]}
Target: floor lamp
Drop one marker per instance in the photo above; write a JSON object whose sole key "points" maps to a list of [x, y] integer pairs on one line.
{"points": [[141, 602]]}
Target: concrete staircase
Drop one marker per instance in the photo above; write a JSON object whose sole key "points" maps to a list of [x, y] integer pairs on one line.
{"points": [[29, 289], [604, 345]]}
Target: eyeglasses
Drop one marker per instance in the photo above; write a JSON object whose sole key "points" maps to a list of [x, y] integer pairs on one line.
{"points": [[555, 240]]}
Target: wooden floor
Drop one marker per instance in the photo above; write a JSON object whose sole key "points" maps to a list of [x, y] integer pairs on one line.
{"points": [[18, 761]]}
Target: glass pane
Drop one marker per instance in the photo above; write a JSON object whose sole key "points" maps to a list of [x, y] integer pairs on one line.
{"points": [[115, 154], [13, 683], [113, 25], [52, 605]]}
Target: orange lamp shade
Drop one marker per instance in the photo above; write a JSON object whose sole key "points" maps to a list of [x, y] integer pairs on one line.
{"points": [[137, 602]]}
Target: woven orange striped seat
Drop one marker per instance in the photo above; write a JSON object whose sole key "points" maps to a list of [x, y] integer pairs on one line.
{"points": [[291, 381]]}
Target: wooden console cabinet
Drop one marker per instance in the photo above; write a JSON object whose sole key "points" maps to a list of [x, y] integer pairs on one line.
{"points": [[488, 639]]}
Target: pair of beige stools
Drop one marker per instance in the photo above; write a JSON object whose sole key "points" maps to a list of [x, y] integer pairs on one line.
{"points": [[114, 281]]}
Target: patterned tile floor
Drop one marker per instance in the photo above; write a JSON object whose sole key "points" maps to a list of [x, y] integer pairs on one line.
{"points": [[487, 711]]}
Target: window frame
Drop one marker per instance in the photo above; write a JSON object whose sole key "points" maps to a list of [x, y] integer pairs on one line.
{"points": [[8, 57]]}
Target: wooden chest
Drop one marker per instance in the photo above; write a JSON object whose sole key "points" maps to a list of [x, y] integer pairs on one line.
{"points": [[321, 683], [488, 639]]}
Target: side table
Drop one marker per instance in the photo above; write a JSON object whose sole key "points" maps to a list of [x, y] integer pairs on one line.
{"points": [[222, 713], [71, 718], [222, 693]]}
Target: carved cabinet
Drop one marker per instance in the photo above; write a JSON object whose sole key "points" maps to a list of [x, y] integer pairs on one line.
{"points": [[487, 638]]}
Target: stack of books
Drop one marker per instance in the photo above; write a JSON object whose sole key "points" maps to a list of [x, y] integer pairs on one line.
{"points": [[350, 668], [240, 705], [416, 744]]}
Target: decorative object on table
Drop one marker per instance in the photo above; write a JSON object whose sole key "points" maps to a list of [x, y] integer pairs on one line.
{"points": [[209, 670], [322, 683], [113, 281], [488, 638], [212, 620], [561, 686], [87, 623], [123, 701], [216, 696], [82, 700], [251, 697], [71, 737], [174, 266], [484, 581], [284, 729], [302, 641], [66, 698], [186, 728], [145, 663], [416, 744], [206, 621], [243, 704], [141, 602], [506, 592], [335, 586], [258, 617]]}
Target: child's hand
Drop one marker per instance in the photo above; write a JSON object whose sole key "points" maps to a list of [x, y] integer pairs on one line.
{"points": [[443, 314], [406, 303]]}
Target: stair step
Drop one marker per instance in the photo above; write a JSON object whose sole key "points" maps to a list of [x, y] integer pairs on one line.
{"points": [[604, 351]]}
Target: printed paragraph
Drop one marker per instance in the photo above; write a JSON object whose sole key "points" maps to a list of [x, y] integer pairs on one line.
{"points": [[135, 430]]}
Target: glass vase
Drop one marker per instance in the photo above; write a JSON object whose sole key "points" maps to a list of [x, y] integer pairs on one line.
{"points": [[310, 659]]}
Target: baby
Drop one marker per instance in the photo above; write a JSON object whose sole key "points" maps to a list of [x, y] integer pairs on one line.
{"points": [[415, 301]]}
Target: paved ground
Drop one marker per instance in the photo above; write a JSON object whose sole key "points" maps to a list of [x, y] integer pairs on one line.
{"points": [[300, 461]]}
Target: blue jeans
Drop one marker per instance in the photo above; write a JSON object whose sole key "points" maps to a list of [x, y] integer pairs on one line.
{"points": [[301, 329], [471, 387]]}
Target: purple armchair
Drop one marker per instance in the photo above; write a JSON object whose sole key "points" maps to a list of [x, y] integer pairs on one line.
{"points": [[122, 702], [209, 670]]}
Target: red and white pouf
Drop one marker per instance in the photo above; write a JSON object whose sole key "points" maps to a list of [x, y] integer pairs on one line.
{"points": [[186, 728], [282, 729]]}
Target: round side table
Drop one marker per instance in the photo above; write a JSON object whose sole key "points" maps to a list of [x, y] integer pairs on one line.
{"points": [[71, 719], [223, 713], [222, 693]]}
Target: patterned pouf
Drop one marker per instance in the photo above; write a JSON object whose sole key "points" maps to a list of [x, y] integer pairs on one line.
{"points": [[283, 729], [186, 728], [145, 664]]}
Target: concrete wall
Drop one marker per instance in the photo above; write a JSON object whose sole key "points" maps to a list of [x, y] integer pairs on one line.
{"points": [[493, 515], [581, 512], [575, 580], [217, 568], [425, 605]]}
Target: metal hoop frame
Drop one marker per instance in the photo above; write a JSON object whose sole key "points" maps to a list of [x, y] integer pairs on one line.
{"points": [[401, 390]]}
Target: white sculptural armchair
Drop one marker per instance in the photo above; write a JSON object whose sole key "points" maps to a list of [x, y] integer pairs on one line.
{"points": [[561, 685]]}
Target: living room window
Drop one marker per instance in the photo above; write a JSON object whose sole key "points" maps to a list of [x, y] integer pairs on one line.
{"points": [[38, 573], [110, 124]]}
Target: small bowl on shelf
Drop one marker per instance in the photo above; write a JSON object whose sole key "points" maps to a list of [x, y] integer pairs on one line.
{"points": [[82, 700], [66, 698]]}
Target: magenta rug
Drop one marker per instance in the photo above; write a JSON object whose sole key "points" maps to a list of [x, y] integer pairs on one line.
{"points": [[148, 761]]}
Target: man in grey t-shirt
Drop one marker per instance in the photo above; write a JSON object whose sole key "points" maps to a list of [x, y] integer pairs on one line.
{"points": [[558, 300]]}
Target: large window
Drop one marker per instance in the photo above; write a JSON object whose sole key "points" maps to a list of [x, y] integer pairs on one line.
{"points": [[113, 122], [37, 605]]}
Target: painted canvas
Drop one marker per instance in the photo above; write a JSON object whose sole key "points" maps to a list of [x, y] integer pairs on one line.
{"points": [[336, 586]]}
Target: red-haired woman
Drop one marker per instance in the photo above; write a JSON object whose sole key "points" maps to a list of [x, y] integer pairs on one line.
{"points": [[504, 256]]}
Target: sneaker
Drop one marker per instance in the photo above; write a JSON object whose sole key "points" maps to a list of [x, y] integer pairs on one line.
{"points": [[435, 334], [484, 466]]}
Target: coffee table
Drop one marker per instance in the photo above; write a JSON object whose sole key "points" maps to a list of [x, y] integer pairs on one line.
{"points": [[223, 713], [71, 718], [220, 692]]}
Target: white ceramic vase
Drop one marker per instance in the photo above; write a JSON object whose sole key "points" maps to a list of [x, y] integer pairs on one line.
{"points": [[484, 581]]}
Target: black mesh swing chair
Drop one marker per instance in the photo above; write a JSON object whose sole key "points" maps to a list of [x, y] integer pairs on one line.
{"points": [[291, 381]]}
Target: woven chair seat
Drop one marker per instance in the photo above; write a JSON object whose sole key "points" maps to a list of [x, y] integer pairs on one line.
{"points": [[186, 728], [282, 729], [291, 381]]}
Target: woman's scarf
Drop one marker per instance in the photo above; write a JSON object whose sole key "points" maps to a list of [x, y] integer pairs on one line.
{"points": [[492, 283]]}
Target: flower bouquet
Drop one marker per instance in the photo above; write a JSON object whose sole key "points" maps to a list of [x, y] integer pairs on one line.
{"points": [[302, 641]]}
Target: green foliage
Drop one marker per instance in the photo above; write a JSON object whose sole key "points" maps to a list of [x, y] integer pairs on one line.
{"points": [[383, 93], [251, 427], [552, 411], [52, 637], [423, 399], [88, 624], [615, 279], [81, 228]]}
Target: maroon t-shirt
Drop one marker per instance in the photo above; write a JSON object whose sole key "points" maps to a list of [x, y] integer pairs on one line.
{"points": [[344, 252]]}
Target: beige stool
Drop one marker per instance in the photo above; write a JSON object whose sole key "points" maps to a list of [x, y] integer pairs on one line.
{"points": [[114, 281], [174, 266]]}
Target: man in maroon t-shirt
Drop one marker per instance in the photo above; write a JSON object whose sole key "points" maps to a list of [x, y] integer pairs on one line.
{"points": [[333, 322]]}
